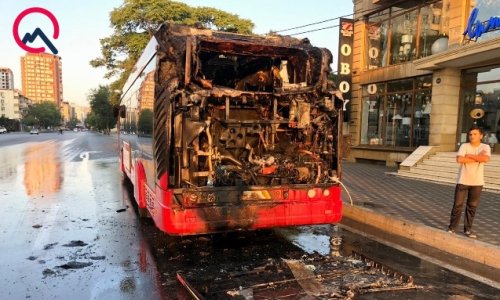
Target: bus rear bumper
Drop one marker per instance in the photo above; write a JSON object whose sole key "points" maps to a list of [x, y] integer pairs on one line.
{"points": [[298, 209]]}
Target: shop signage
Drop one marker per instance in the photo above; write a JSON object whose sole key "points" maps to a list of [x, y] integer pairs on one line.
{"points": [[476, 28], [346, 32]]}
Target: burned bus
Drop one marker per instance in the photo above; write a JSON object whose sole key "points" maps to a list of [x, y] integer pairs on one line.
{"points": [[221, 131]]}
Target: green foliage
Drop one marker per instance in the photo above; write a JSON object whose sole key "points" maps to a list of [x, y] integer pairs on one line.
{"points": [[9, 124], [30, 120], [45, 114], [145, 123], [136, 21], [101, 111], [334, 77], [73, 122]]}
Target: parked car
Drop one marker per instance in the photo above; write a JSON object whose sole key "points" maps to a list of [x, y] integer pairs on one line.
{"points": [[3, 129], [34, 131]]}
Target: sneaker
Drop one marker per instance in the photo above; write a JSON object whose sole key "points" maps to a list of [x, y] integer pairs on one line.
{"points": [[470, 234], [449, 230]]}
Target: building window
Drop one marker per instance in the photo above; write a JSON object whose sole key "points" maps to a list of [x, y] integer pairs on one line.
{"points": [[377, 39], [397, 113], [481, 104], [404, 33]]}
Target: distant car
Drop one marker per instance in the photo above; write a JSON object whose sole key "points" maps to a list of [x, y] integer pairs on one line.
{"points": [[3, 129], [34, 131]]}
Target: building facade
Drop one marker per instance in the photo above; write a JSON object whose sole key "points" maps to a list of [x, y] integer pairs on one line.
{"points": [[65, 110], [421, 75], [80, 113], [6, 79], [13, 105], [41, 75]]}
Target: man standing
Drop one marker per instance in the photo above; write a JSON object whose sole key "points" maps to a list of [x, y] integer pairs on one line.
{"points": [[471, 156]]}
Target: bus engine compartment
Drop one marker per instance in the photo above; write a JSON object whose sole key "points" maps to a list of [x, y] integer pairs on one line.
{"points": [[245, 110]]}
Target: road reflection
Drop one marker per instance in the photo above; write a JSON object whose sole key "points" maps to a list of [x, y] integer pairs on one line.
{"points": [[9, 157], [42, 169]]}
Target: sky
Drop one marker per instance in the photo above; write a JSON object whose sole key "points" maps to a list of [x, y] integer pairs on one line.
{"points": [[83, 23]]}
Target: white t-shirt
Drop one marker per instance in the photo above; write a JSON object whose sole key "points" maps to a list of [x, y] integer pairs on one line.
{"points": [[472, 173]]}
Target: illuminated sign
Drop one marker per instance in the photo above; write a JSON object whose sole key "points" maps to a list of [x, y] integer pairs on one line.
{"points": [[476, 28], [346, 32]]}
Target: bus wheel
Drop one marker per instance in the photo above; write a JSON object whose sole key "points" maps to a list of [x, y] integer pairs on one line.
{"points": [[123, 173], [143, 212]]}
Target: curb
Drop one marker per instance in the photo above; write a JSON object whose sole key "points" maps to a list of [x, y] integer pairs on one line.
{"points": [[471, 249]]}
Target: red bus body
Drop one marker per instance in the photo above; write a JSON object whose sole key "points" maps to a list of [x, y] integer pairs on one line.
{"points": [[223, 132]]}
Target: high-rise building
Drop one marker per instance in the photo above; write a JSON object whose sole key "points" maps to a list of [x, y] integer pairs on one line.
{"points": [[80, 112], [65, 110], [42, 77], [6, 79]]}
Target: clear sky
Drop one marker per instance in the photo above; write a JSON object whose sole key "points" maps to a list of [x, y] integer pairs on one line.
{"points": [[83, 23]]}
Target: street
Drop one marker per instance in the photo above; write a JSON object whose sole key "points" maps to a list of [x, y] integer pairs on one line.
{"points": [[62, 236], [68, 229]]}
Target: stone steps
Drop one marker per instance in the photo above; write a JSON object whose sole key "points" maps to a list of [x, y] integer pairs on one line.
{"points": [[442, 167]]}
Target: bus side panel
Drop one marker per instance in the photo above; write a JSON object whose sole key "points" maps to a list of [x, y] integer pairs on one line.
{"points": [[126, 158]]}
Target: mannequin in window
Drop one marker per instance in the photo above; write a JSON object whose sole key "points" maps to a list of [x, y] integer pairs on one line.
{"points": [[427, 106]]}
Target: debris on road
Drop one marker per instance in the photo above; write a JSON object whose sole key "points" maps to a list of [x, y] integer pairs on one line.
{"points": [[75, 265], [77, 243], [48, 272], [122, 209], [311, 275], [194, 293], [49, 246], [36, 226], [97, 257]]}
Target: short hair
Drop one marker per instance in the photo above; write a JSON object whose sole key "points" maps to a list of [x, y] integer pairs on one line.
{"points": [[475, 127]]}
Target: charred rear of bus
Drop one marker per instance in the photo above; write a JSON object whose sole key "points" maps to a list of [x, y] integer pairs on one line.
{"points": [[246, 133]]}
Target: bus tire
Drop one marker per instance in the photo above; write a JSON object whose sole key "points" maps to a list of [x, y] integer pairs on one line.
{"points": [[123, 173], [143, 212], [141, 192]]}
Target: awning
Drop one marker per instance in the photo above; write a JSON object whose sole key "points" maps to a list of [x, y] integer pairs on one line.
{"points": [[463, 57]]}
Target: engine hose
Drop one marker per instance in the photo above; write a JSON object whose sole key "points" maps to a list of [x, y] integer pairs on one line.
{"points": [[335, 179]]}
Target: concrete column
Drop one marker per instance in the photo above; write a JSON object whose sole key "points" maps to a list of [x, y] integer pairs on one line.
{"points": [[445, 110]]}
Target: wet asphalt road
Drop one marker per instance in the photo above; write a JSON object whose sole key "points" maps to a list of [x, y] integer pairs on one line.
{"points": [[61, 236], [68, 231]]}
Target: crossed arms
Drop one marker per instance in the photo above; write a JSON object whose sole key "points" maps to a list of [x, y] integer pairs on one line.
{"points": [[470, 158]]}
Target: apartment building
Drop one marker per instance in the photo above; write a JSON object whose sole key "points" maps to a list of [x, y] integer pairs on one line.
{"points": [[42, 77], [6, 79]]}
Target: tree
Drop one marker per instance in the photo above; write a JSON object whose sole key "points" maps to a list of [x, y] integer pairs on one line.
{"points": [[145, 123], [73, 122], [136, 21], [45, 114], [9, 124], [101, 111]]}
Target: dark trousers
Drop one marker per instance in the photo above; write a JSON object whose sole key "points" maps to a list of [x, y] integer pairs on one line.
{"points": [[473, 194]]}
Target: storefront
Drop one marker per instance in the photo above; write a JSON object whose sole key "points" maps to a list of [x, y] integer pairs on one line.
{"points": [[418, 81], [481, 104]]}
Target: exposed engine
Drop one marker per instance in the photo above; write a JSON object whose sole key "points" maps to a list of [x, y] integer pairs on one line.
{"points": [[263, 141], [258, 111]]}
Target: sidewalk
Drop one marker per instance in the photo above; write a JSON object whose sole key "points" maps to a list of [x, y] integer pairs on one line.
{"points": [[416, 201]]}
